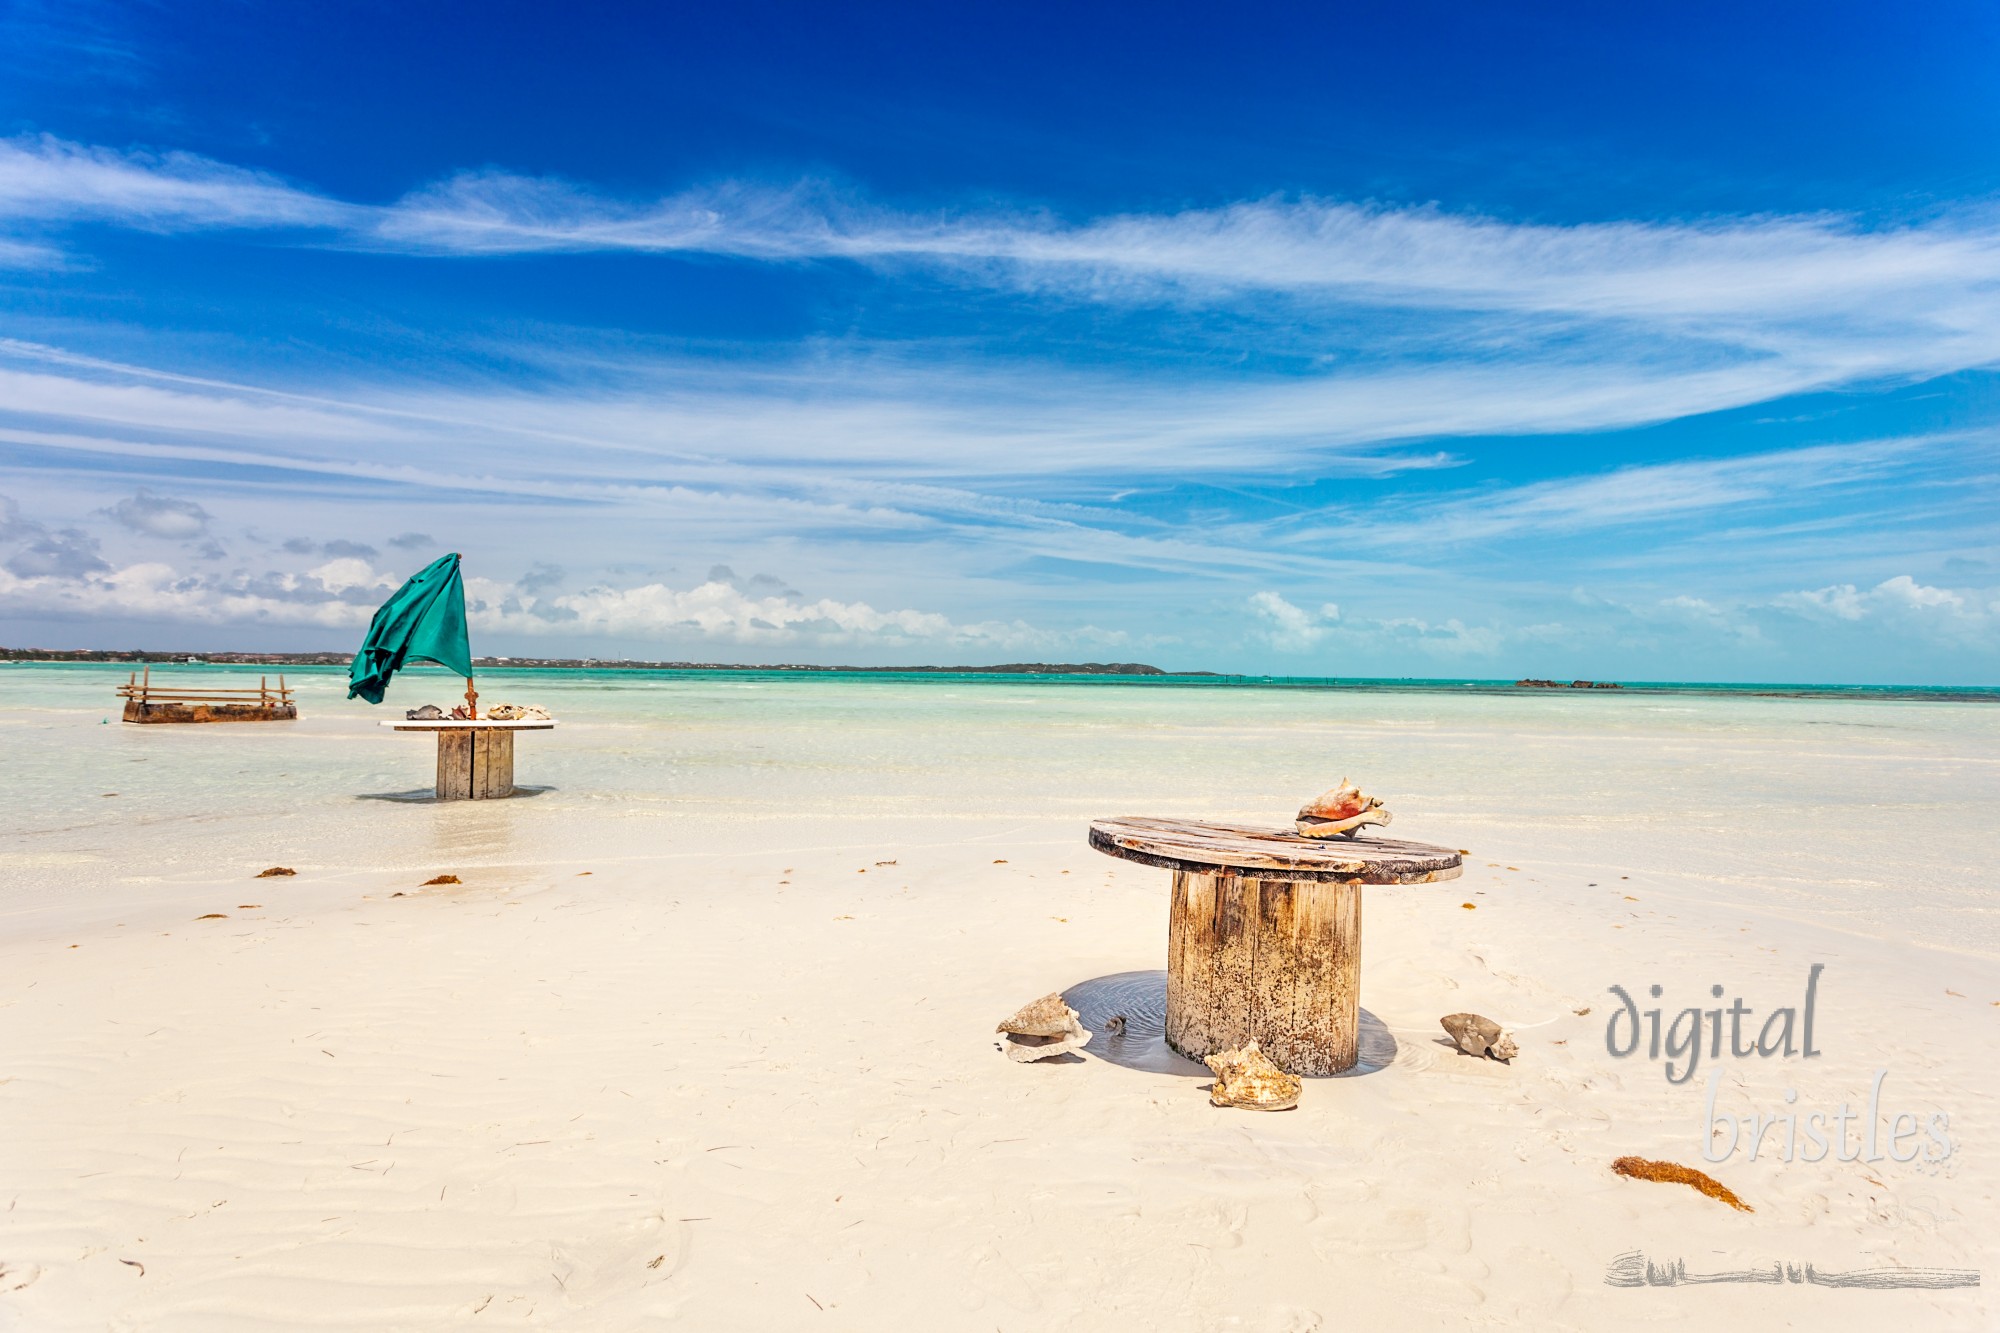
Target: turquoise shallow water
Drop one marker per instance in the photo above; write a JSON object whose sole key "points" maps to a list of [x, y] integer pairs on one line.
{"points": [[1868, 810]]}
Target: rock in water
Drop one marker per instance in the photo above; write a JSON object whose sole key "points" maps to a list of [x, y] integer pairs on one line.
{"points": [[1245, 1077], [1340, 812], [1480, 1036], [1043, 1030]]}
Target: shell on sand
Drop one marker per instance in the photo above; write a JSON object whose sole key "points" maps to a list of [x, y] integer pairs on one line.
{"points": [[1246, 1077], [1341, 811], [1043, 1029], [1480, 1036]]}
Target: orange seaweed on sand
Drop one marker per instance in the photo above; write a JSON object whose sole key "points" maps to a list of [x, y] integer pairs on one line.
{"points": [[1645, 1168], [441, 879]]}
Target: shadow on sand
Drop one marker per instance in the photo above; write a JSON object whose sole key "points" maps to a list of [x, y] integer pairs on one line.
{"points": [[1141, 999], [428, 795]]}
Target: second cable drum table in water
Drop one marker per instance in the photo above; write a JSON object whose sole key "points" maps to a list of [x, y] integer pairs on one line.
{"points": [[475, 760]]}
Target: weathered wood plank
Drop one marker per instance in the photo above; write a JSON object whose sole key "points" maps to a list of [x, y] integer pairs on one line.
{"points": [[1211, 953], [454, 766], [1305, 984], [138, 710], [1201, 848], [492, 765]]}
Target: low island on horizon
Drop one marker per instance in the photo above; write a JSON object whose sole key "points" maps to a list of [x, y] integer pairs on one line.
{"points": [[145, 657]]}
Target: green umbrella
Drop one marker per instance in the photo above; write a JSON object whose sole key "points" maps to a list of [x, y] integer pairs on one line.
{"points": [[424, 621]]}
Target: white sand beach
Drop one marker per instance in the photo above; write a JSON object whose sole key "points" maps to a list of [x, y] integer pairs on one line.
{"points": [[704, 1037]]}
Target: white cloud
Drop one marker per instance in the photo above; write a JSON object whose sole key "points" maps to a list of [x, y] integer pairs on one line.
{"points": [[1911, 593], [12, 525], [343, 594], [719, 611], [1293, 628], [63, 557], [161, 516], [1902, 593]]}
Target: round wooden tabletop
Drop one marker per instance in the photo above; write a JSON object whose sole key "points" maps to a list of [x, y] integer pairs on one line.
{"points": [[1201, 848], [470, 724]]}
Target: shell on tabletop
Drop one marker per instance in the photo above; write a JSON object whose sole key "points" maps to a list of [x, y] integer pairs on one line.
{"points": [[1042, 1030], [1340, 812], [427, 713], [1246, 1077], [1480, 1036]]}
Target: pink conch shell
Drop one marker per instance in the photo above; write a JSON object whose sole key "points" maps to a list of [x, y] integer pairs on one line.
{"points": [[1246, 1077], [1340, 811]]}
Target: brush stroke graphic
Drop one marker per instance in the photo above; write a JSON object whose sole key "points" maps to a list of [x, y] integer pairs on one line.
{"points": [[1633, 1269]]}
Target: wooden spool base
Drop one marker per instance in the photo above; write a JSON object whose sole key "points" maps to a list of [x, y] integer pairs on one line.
{"points": [[1264, 936], [1274, 961], [475, 765]]}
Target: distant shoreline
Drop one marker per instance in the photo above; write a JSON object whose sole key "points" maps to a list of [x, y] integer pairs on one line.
{"points": [[139, 657], [1106, 673]]}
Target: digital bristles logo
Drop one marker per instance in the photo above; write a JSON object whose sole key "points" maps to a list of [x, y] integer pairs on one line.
{"points": [[1802, 1134], [1793, 1133]]}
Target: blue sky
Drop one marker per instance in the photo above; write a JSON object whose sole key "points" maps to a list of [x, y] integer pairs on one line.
{"points": [[1428, 339]]}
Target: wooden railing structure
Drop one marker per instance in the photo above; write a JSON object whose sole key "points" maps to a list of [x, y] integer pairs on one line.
{"points": [[145, 702]]}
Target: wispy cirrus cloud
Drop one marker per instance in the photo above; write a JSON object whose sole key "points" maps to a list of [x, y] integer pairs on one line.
{"points": [[816, 462], [44, 179], [1725, 270], [1659, 494], [1396, 324]]}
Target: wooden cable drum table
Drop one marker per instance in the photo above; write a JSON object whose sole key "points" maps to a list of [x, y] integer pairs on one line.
{"points": [[1264, 936], [475, 760]]}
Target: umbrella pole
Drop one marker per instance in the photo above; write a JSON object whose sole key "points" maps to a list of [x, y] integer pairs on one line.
{"points": [[471, 700]]}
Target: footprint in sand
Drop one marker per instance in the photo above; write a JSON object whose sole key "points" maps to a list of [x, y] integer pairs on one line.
{"points": [[647, 1251]]}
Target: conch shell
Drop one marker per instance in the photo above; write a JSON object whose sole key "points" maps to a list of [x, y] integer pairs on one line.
{"points": [[427, 713], [517, 713], [1246, 1077], [1043, 1030], [1480, 1036], [1341, 811]]}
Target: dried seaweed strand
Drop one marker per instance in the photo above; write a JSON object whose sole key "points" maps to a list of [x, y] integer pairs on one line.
{"points": [[1644, 1168]]}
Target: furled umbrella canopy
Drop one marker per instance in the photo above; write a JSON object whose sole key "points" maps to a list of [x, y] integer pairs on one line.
{"points": [[424, 621]]}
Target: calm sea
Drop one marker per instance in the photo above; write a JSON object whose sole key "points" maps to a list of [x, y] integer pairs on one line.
{"points": [[1869, 807]]}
